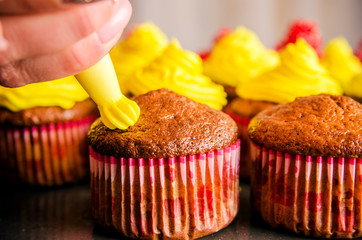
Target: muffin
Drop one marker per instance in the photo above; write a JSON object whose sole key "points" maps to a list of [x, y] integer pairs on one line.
{"points": [[43, 132], [298, 74], [341, 63], [140, 45], [180, 71], [237, 57], [242, 111], [172, 175], [307, 166]]}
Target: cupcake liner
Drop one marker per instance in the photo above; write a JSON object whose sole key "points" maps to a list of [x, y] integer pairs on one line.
{"points": [[317, 196], [245, 158], [52, 154], [181, 197]]}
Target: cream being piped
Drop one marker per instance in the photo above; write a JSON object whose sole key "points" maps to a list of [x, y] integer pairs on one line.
{"points": [[100, 82]]}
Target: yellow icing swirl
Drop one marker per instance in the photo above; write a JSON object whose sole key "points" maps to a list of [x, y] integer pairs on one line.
{"points": [[100, 82], [144, 43], [299, 74], [354, 89], [180, 71], [238, 57], [339, 60], [64, 92]]}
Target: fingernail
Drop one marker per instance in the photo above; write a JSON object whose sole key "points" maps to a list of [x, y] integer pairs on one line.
{"points": [[116, 23]]}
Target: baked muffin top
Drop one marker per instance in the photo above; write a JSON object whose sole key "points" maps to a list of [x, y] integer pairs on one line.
{"points": [[322, 125], [169, 125]]}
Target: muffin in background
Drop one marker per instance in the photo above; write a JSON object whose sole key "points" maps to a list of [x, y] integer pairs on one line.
{"points": [[181, 71], [298, 74], [220, 34], [172, 175], [236, 57], [43, 132], [306, 29], [307, 166], [141, 44], [341, 63], [358, 50]]}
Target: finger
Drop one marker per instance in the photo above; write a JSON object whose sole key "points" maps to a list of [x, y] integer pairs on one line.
{"points": [[73, 60], [26, 6], [39, 34]]}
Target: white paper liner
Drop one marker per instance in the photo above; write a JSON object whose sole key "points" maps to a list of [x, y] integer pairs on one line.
{"points": [[317, 196], [52, 154], [182, 197]]}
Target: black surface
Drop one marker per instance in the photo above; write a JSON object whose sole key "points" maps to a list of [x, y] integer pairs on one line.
{"points": [[64, 213]]}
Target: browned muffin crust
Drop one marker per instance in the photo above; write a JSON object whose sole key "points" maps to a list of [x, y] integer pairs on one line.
{"points": [[170, 125], [249, 108], [46, 115], [358, 99], [323, 125]]}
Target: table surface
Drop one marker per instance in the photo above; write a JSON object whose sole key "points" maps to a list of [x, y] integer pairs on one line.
{"points": [[64, 213]]}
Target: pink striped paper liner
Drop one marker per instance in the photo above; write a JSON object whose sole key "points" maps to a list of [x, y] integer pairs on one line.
{"points": [[48, 155], [245, 142], [182, 197], [316, 196]]}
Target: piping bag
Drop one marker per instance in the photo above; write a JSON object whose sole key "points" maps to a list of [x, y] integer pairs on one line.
{"points": [[100, 82]]}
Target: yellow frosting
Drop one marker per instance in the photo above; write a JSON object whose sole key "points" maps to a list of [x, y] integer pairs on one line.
{"points": [[136, 50], [339, 60], [238, 57], [100, 81], [63, 92], [299, 74], [181, 72], [355, 87]]}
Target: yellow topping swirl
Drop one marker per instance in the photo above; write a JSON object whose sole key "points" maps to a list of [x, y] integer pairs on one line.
{"points": [[299, 74], [64, 92], [354, 89], [339, 60], [141, 46], [238, 57], [100, 81], [181, 72]]}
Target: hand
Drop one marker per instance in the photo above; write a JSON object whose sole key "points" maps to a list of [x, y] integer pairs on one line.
{"points": [[43, 40]]}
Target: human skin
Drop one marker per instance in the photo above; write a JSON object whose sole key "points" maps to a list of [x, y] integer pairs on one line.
{"points": [[42, 40]]}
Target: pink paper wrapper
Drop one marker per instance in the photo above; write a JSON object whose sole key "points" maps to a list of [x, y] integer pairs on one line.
{"points": [[47, 155], [182, 197], [245, 142], [317, 196]]}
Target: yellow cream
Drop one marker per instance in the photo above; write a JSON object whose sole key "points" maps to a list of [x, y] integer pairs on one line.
{"points": [[136, 50], [238, 57], [299, 74], [100, 81], [355, 87], [339, 60], [63, 92], [180, 71]]}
